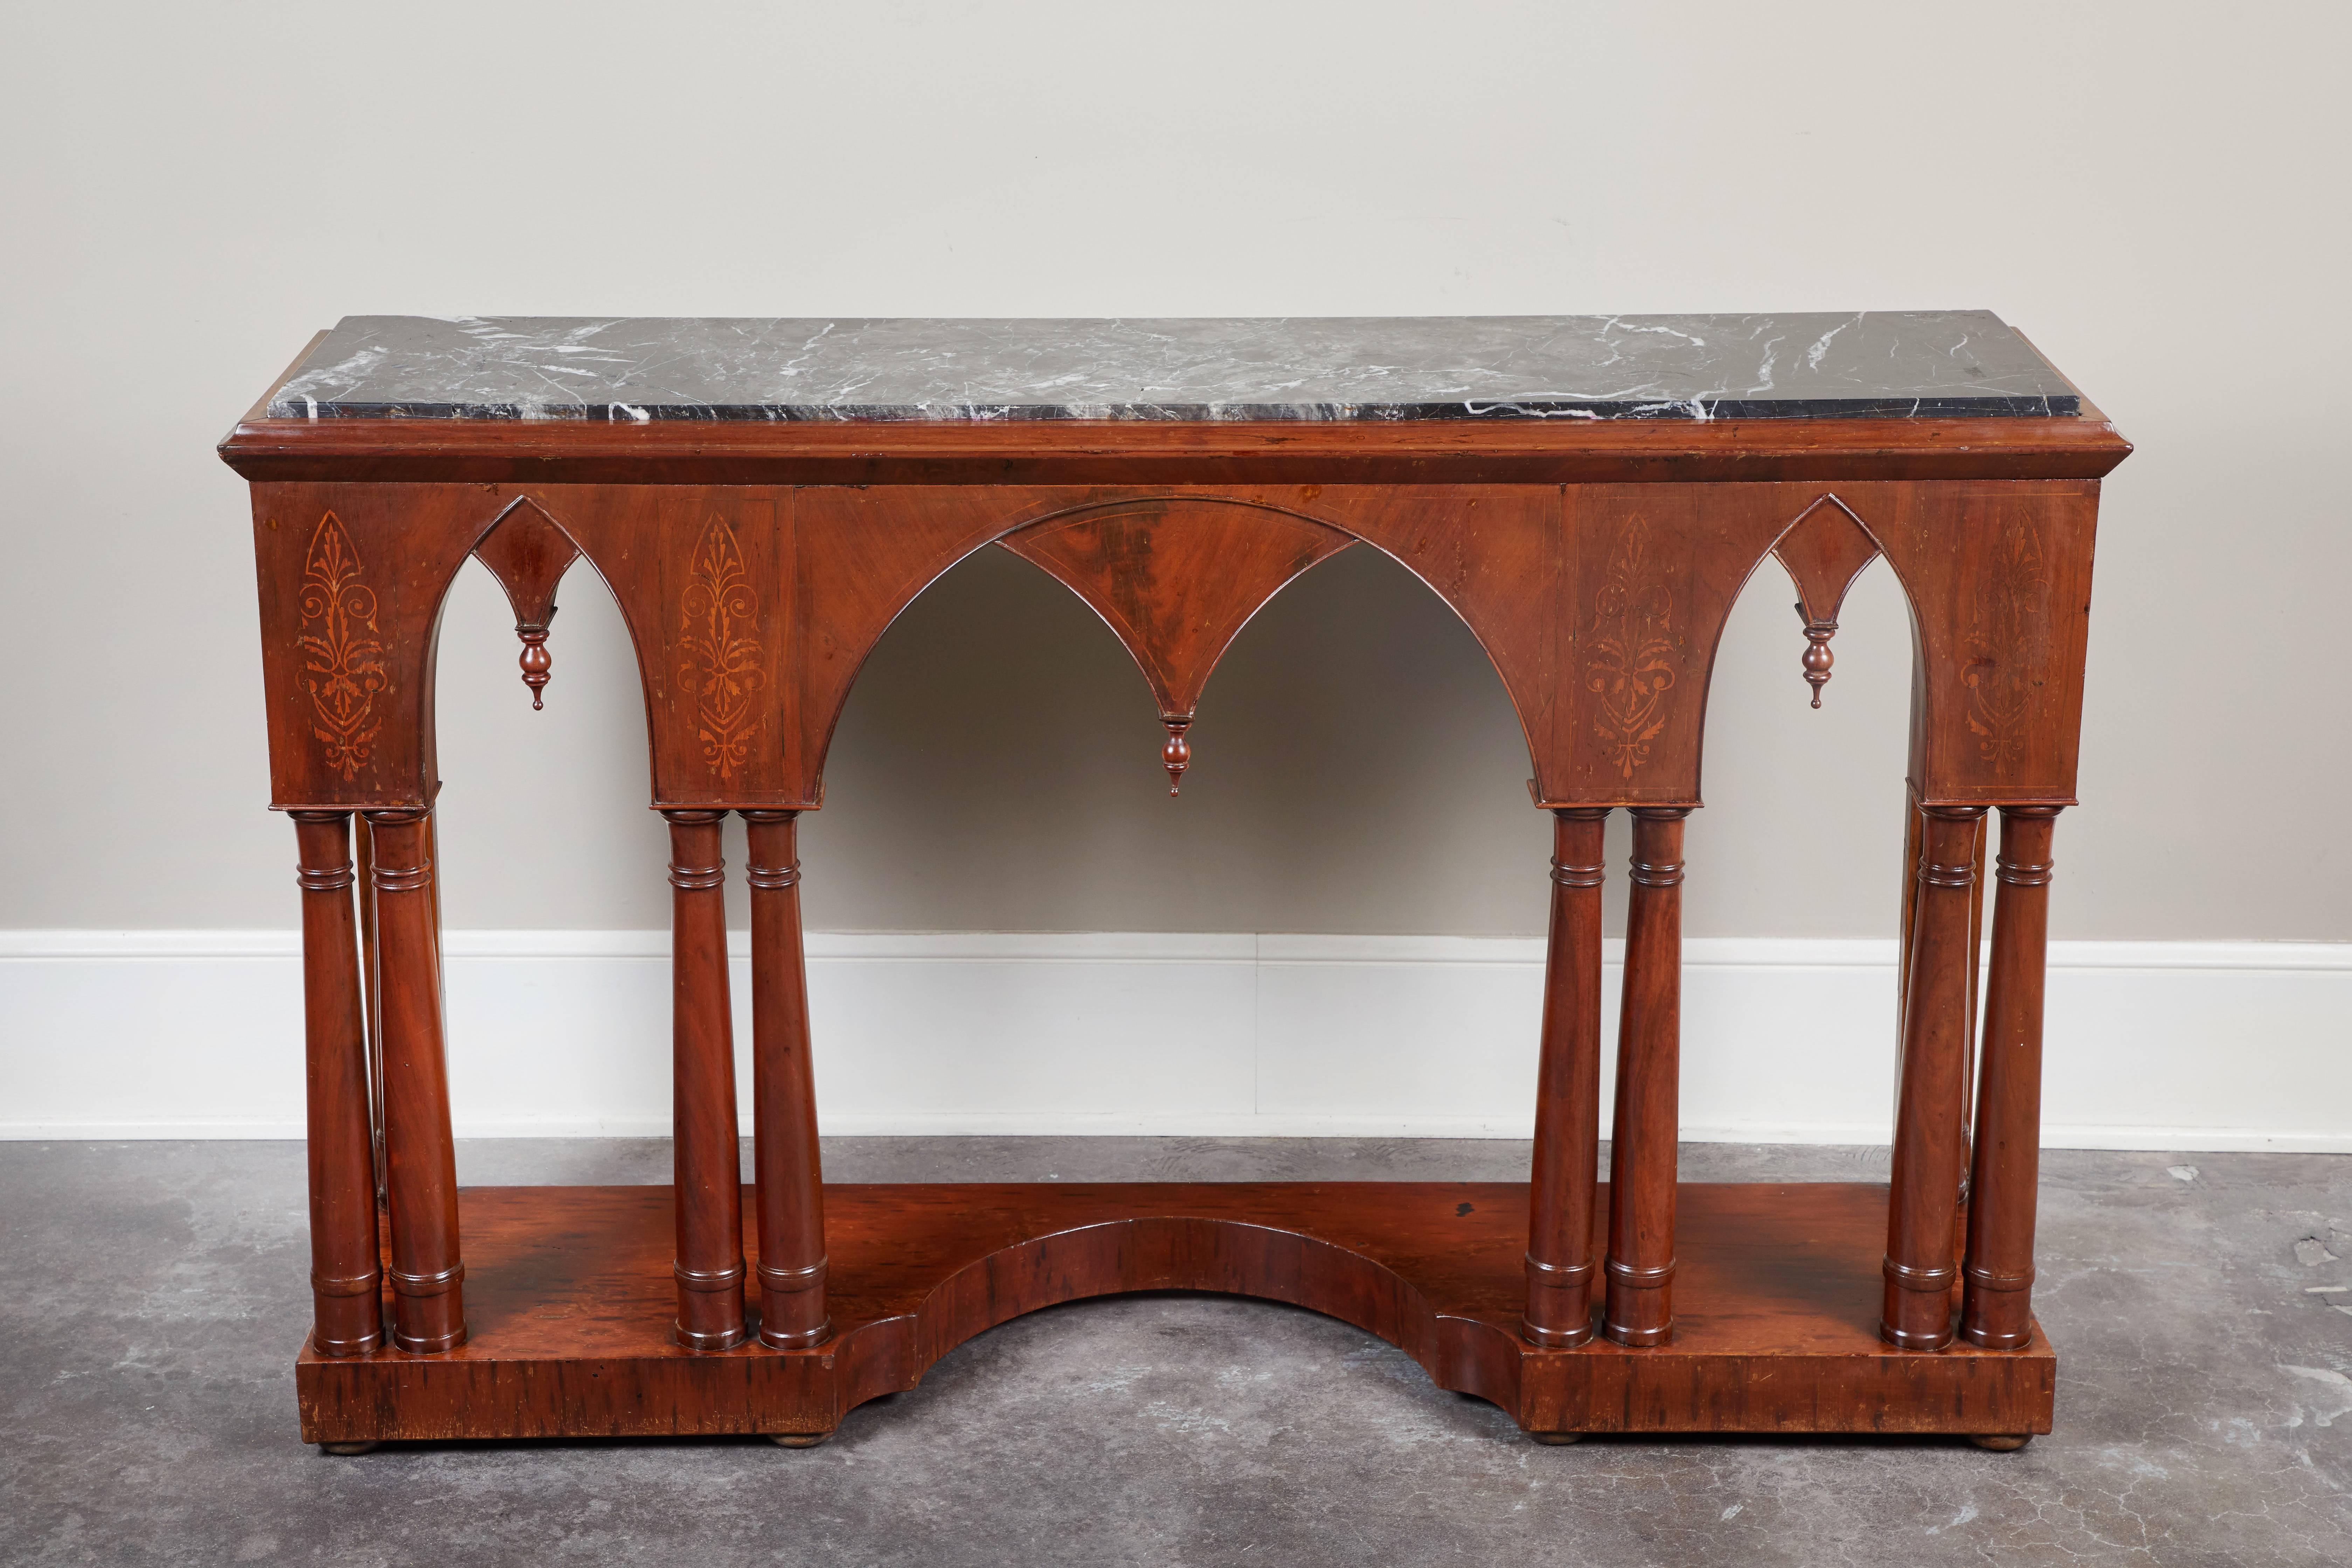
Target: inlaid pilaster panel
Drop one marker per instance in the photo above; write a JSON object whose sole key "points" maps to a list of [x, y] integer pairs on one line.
{"points": [[1998, 576], [1656, 570], [352, 579], [751, 610]]}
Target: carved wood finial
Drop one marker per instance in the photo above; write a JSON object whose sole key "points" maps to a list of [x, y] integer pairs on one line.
{"points": [[1176, 755], [537, 665], [1824, 551], [529, 552], [1818, 658]]}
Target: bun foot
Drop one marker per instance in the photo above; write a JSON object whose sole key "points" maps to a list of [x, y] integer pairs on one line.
{"points": [[1558, 1439], [797, 1439], [348, 1448], [2003, 1444]]}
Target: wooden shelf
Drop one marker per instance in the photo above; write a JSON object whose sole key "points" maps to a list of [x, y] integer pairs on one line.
{"points": [[570, 1305]]}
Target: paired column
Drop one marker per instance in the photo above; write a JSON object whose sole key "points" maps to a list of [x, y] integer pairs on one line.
{"points": [[1933, 1176], [420, 1159], [1931, 1138], [1638, 1306], [707, 1191], [419, 1155], [1640, 1265], [790, 1192], [1996, 1306], [1568, 1089], [346, 1277], [707, 1187]]}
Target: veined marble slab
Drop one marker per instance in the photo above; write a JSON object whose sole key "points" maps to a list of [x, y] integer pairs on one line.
{"points": [[1873, 364]]}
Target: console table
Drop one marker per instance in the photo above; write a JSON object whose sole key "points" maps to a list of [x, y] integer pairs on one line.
{"points": [[763, 497]]}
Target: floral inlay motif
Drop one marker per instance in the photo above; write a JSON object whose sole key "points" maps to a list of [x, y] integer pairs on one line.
{"points": [[343, 670], [1632, 665], [2001, 629], [721, 656]]}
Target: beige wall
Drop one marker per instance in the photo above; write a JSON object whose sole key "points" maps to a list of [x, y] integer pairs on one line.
{"points": [[2153, 192]]}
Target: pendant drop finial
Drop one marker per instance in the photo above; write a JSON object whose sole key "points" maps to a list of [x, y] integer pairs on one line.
{"points": [[1818, 658], [529, 552], [1824, 551], [538, 665], [1176, 756]]}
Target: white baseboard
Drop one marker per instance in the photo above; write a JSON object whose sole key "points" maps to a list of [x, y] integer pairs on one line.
{"points": [[2174, 1046]]}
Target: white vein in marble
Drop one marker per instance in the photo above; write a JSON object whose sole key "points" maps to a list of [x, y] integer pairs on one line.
{"points": [[1870, 364]]}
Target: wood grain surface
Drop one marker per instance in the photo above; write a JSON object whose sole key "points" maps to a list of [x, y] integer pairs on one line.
{"points": [[1774, 1329], [752, 610], [756, 566]]}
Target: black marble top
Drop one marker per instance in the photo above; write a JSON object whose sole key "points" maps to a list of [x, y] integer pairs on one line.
{"points": [[1873, 364]]}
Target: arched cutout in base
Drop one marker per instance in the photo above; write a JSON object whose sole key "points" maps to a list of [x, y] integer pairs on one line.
{"points": [[568, 1303]]}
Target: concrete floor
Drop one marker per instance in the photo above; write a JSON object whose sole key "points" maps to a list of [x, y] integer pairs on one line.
{"points": [[154, 1297]]}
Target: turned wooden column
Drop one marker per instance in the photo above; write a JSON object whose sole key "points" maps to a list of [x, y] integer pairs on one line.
{"points": [[1915, 818], [707, 1190], [371, 1004], [1568, 1089], [1640, 1264], [346, 1275], [420, 1159], [1996, 1304], [791, 1192], [1930, 1123]]}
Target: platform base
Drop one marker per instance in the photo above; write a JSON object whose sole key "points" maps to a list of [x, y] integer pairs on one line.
{"points": [[568, 1298]]}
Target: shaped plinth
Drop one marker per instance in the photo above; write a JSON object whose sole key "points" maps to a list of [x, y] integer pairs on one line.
{"points": [[570, 1303]]}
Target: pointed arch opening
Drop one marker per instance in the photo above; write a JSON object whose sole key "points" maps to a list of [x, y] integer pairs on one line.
{"points": [[557, 799], [1803, 832], [993, 774]]}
